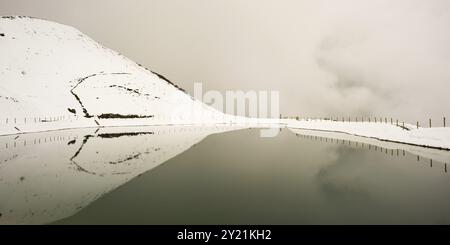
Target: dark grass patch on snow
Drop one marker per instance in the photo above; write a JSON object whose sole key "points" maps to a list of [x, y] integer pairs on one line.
{"points": [[121, 116]]}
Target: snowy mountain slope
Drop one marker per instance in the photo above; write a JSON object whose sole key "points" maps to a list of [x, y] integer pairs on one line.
{"points": [[53, 76]]}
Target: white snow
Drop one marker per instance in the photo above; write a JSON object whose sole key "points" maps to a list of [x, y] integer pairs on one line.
{"points": [[430, 137], [48, 69]]}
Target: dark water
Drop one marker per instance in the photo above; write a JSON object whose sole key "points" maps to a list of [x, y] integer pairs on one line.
{"points": [[234, 177]]}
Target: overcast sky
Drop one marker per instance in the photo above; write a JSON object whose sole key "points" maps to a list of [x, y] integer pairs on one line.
{"points": [[346, 57]]}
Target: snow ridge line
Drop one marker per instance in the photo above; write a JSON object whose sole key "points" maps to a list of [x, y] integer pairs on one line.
{"points": [[136, 91], [81, 80]]}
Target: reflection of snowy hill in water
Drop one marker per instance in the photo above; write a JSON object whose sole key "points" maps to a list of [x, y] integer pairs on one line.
{"points": [[45, 177]]}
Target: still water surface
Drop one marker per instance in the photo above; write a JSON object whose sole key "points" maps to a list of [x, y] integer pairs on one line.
{"points": [[215, 175]]}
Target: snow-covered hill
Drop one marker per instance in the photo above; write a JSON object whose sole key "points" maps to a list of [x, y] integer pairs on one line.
{"points": [[53, 76]]}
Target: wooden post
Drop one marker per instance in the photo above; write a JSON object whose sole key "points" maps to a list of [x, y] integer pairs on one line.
{"points": [[430, 122], [385, 120], [369, 119], [444, 122], [396, 122], [375, 119], [417, 124]]}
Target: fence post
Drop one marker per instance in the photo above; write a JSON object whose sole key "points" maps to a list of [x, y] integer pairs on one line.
{"points": [[391, 120], [444, 122], [417, 124], [369, 119], [430, 122], [397, 122], [375, 119]]}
